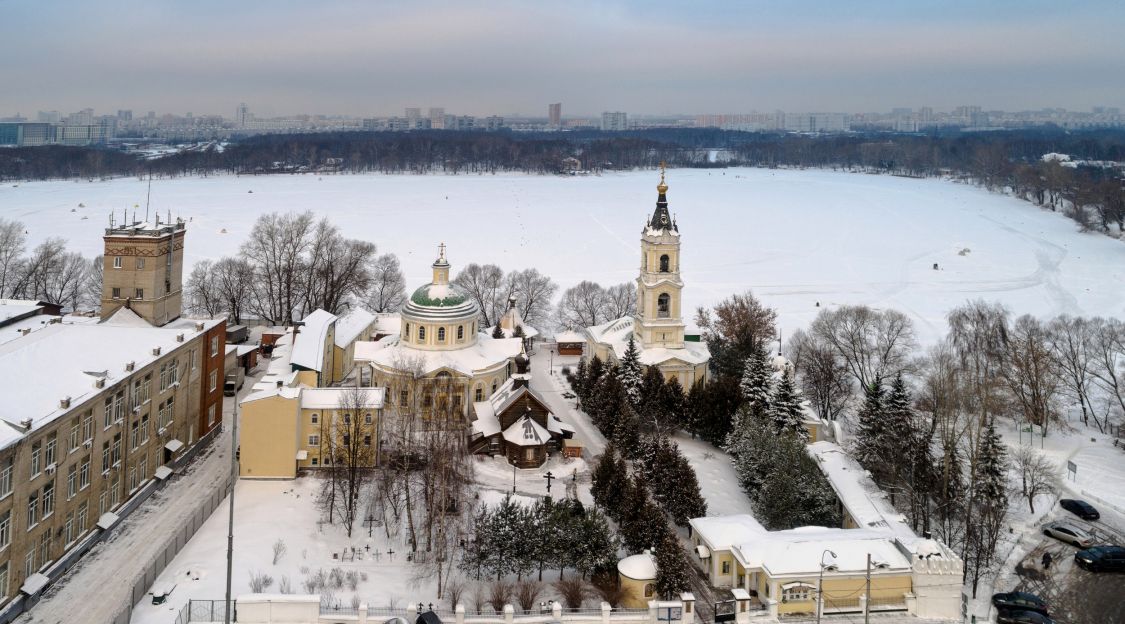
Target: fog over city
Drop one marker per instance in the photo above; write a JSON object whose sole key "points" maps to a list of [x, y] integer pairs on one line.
{"points": [[363, 58]]}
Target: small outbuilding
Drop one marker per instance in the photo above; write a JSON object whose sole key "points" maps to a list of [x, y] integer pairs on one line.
{"points": [[637, 575], [570, 343]]}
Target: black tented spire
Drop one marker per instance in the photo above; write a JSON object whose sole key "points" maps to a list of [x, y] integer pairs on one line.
{"points": [[661, 218]]}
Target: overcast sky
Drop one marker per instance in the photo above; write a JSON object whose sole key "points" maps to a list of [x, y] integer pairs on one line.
{"points": [[507, 57]]}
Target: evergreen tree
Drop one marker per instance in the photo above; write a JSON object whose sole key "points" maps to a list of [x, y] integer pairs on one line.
{"points": [[897, 438], [757, 380], [596, 545], [578, 378], [608, 480], [784, 409], [992, 469], [497, 331], [627, 432], [869, 434], [793, 491], [631, 372], [672, 568], [650, 407], [518, 332], [673, 401]]}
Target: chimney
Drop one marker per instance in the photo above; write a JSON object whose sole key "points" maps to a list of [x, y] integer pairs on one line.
{"points": [[64, 403], [156, 350], [179, 337], [279, 384], [199, 327], [26, 424], [99, 382], [129, 366]]}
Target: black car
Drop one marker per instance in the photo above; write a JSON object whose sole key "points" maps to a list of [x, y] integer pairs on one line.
{"points": [[1014, 601], [1011, 616], [1080, 508], [1102, 559]]}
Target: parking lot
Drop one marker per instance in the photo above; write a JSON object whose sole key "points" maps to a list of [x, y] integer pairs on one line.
{"points": [[1075, 596]]}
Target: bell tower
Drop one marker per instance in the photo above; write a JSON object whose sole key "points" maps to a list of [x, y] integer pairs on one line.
{"points": [[659, 322], [143, 270]]}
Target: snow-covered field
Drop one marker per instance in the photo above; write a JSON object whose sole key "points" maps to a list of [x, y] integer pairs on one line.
{"points": [[795, 237]]}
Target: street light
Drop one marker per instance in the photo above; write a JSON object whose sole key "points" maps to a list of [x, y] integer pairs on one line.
{"points": [[820, 582]]}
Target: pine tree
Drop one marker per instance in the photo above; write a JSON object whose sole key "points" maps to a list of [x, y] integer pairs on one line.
{"points": [[651, 403], [608, 479], [793, 490], [631, 373], [497, 331], [896, 436], [785, 410], [869, 434], [992, 469], [518, 332], [757, 380], [579, 377], [673, 403], [627, 432], [672, 571]]}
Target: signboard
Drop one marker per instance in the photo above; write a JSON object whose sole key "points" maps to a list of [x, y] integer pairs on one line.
{"points": [[669, 614], [1071, 469]]}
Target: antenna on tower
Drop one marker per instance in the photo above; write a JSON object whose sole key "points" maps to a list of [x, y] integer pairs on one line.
{"points": [[148, 197]]}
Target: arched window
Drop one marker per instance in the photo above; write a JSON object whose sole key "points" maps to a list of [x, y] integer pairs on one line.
{"points": [[460, 332], [664, 264], [441, 334], [478, 393], [421, 333], [649, 590], [407, 332], [493, 387], [663, 306]]}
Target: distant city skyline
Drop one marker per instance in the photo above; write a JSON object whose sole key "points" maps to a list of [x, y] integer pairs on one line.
{"points": [[514, 58]]}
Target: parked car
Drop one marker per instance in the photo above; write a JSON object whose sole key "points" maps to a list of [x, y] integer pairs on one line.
{"points": [[1019, 601], [1080, 508], [1102, 559], [1015, 616], [1069, 533]]}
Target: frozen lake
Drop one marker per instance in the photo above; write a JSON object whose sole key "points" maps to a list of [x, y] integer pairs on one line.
{"points": [[793, 237]]}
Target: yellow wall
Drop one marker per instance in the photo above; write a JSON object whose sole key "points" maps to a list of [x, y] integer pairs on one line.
{"points": [[634, 592], [845, 590], [268, 438]]}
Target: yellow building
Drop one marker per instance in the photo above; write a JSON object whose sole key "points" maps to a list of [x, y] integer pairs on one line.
{"points": [[658, 326], [287, 429], [357, 325], [439, 361], [314, 348], [637, 575]]}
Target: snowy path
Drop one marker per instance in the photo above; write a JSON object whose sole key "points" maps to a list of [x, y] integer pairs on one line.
{"points": [[551, 387], [101, 582]]}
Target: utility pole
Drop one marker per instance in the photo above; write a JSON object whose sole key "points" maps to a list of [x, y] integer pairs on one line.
{"points": [[867, 594], [229, 611]]}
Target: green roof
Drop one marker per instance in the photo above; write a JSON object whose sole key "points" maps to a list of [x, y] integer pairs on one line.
{"points": [[422, 298]]}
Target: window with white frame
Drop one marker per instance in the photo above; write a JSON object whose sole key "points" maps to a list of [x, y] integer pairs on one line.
{"points": [[6, 478], [71, 481], [140, 263], [32, 510], [117, 262], [797, 592], [214, 346], [5, 529], [84, 474], [36, 459], [314, 440]]}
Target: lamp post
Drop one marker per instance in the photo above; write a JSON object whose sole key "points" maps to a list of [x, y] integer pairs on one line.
{"points": [[820, 583]]}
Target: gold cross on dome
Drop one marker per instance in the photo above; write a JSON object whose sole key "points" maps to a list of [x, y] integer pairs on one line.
{"points": [[441, 251]]}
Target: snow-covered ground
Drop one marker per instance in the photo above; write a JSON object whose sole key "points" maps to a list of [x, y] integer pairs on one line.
{"points": [[796, 237]]}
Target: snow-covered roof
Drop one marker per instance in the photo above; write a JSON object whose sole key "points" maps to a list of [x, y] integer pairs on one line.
{"points": [[16, 328], [641, 567], [388, 323], [526, 432], [798, 551], [723, 532], [16, 308], [329, 398], [859, 495], [569, 336], [616, 334], [63, 360], [351, 325], [487, 412], [242, 350], [528, 331], [308, 349], [483, 354], [124, 317]]}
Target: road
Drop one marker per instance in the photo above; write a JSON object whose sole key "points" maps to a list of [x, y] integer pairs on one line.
{"points": [[100, 584]]}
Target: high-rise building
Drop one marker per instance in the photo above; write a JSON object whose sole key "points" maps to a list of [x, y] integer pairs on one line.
{"points": [[437, 118], [413, 114], [241, 116], [554, 115], [49, 116], [84, 117], [125, 115], [614, 121]]}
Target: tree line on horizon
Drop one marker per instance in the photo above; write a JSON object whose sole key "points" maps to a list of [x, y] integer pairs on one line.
{"points": [[1009, 160]]}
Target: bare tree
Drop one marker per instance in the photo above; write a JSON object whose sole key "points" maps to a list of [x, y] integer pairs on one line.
{"points": [[1038, 475], [234, 286], [355, 449], [485, 284], [338, 269], [276, 249], [1029, 372], [534, 293], [92, 289], [388, 285], [873, 344], [821, 374], [201, 290], [1108, 356], [621, 300], [583, 305], [1071, 341], [737, 328], [12, 241]]}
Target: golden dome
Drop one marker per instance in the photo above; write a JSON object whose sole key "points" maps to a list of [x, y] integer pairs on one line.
{"points": [[662, 187]]}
